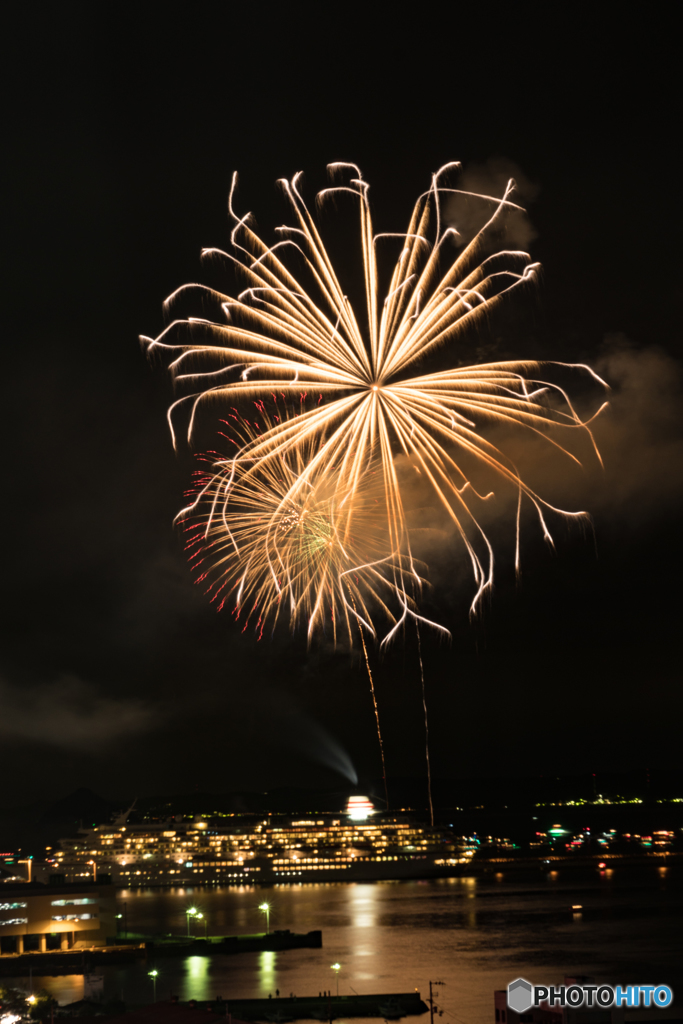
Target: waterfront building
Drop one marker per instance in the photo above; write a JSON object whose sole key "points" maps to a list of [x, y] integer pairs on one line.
{"points": [[41, 918]]}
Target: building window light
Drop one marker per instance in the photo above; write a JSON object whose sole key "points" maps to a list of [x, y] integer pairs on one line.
{"points": [[72, 903], [73, 917]]}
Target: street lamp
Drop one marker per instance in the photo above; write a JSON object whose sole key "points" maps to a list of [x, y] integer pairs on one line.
{"points": [[200, 917], [265, 907], [337, 968], [153, 976], [192, 912]]}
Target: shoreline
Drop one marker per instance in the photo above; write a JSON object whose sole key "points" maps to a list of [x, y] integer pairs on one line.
{"points": [[477, 866]]}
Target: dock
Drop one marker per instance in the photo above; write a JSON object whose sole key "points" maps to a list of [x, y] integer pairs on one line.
{"points": [[228, 945], [68, 961], [280, 1010], [150, 947]]}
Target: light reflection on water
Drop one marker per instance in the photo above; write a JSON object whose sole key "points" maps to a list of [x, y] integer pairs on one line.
{"points": [[474, 934], [267, 972], [66, 988], [363, 904]]}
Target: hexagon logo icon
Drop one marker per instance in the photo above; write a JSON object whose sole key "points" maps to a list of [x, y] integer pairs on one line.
{"points": [[520, 995]]}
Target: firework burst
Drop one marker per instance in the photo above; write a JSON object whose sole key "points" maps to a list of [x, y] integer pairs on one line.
{"points": [[273, 541], [292, 331]]}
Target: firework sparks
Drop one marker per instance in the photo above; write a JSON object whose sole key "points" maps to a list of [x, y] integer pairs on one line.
{"points": [[275, 541], [292, 331]]}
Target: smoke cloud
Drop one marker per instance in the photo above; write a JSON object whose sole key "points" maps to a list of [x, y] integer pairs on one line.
{"points": [[638, 489], [70, 714], [468, 214], [641, 434]]}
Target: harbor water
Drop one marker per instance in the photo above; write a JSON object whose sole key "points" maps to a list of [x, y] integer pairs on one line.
{"points": [[621, 926]]}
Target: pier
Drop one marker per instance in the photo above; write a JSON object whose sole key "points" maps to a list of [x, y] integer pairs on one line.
{"points": [[69, 961], [280, 1010], [277, 941], [145, 947]]}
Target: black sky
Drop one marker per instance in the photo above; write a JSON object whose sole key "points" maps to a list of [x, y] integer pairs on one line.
{"points": [[121, 135]]}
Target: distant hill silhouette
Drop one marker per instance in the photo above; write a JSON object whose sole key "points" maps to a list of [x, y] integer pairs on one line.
{"points": [[81, 806], [32, 828]]}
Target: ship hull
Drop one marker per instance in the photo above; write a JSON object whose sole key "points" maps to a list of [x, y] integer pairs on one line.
{"points": [[369, 870]]}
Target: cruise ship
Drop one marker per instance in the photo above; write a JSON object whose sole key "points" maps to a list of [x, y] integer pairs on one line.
{"points": [[360, 844]]}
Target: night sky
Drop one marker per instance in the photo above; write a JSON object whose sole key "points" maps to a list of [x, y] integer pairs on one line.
{"points": [[121, 136]]}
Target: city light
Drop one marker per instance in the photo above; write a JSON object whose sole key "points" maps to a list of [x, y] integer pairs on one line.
{"points": [[265, 908], [337, 968]]}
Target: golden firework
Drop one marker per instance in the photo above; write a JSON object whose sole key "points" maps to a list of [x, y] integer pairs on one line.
{"points": [[292, 331], [273, 541]]}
